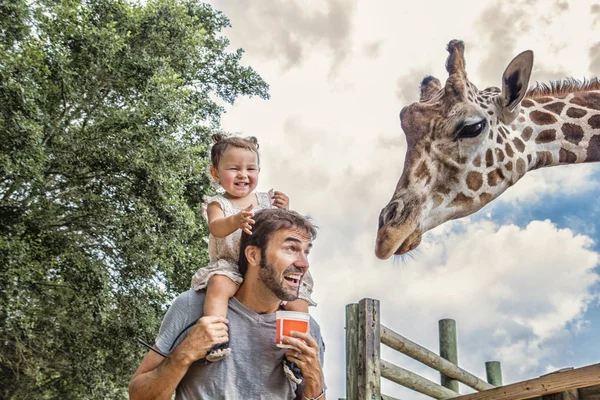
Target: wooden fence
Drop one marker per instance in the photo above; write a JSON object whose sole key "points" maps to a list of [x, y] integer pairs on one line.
{"points": [[365, 368]]}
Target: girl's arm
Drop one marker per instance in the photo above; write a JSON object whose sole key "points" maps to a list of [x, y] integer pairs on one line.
{"points": [[221, 226]]}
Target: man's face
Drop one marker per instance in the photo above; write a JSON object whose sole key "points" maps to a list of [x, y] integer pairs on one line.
{"points": [[284, 263]]}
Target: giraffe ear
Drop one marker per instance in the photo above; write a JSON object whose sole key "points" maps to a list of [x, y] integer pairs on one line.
{"points": [[515, 80], [429, 87]]}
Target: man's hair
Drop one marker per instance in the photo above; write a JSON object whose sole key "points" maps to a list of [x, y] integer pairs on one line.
{"points": [[222, 142], [266, 223]]}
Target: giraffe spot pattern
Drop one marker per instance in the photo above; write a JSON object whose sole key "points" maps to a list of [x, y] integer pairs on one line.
{"points": [[495, 177], [521, 119], [527, 103], [573, 133], [593, 152], [589, 100], [474, 181], [521, 167], [542, 118], [519, 145], [489, 158], [556, 108], [423, 172], [461, 199], [526, 135], [499, 139], [490, 112], [485, 198], [594, 122], [504, 132], [509, 150], [547, 136], [566, 157], [437, 200], [477, 161], [544, 100], [576, 112], [499, 155], [443, 190], [544, 158], [508, 166], [529, 159]]}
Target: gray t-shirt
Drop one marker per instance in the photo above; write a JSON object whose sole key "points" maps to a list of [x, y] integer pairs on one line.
{"points": [[254, 368]]}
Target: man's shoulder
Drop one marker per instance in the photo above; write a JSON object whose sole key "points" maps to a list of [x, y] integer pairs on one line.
{"points": [[190, 300]]}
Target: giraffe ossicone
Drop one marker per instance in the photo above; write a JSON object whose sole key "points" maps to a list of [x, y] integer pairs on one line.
{"points": [[465, 147]]}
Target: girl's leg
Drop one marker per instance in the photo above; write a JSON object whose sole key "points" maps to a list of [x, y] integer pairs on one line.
{"points": [[297, 305], [218, 292]]}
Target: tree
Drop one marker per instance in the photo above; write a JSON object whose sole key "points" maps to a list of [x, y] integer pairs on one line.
{"points": [[105, 111]]}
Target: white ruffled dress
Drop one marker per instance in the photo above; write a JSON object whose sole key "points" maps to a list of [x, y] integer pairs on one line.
{"points": [[224, 252]]}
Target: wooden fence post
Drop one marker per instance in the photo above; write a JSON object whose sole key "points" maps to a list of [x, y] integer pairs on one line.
{"points": [[369, 336], [448, 349], [493, 372], [352, 351]]}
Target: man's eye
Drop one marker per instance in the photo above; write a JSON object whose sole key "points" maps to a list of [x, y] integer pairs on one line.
{"points": [[470, 131]]}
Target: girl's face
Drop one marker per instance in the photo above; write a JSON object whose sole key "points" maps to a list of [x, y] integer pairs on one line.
{"points": [[237, 171]]}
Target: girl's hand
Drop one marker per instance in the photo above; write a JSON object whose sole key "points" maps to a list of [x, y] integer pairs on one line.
{"points": [[280, 200], [243, 220]]}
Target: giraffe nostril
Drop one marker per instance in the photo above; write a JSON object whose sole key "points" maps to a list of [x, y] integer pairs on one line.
{"points": [[388, 213]]}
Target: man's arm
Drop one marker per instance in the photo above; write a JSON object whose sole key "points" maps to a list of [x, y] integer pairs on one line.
{"points": [[156, 378]]}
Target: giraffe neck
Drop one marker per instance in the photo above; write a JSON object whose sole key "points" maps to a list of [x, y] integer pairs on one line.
{"points": [[560, 130]]}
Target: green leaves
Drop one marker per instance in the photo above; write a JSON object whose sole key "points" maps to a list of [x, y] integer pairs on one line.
{"points": [[106, 110]]}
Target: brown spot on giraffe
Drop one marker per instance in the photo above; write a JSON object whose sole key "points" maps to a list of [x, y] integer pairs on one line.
{"points": [[529, 158], [556, 108], [474, 180], [594, 122], [499, 139], [485, 198], [527, 132], [495, 177], [521, 167], [509, 150], [544, 158], [508, 166], [527, 103], [499, 155], [490, 112], [437, 200], [461, 199], [542, 118], [566, 156], [573, 133], [444, 190], [587, 99], [547, 136], [593, 152], [477, 161], [576, 112], [489, 158], [519, 145], [521, 118], [423, 173], [544, 100]]}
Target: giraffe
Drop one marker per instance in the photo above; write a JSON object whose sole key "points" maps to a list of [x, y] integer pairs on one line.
{"points": [[465, 147]]}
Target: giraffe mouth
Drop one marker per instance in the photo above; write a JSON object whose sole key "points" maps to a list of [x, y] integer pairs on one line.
{"points": [[397, 240]]}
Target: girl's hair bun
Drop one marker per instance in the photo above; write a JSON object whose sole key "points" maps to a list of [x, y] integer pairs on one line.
{"points": [[253, 140], [217, 137]]}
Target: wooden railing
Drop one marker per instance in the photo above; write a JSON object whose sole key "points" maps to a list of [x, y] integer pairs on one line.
{"points": [[365, 368]]}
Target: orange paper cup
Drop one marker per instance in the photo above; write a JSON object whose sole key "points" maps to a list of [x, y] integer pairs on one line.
{"points": [[288, 321]]}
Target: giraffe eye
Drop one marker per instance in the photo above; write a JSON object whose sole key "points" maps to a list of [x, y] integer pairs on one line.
{"points": [[470, 131]]}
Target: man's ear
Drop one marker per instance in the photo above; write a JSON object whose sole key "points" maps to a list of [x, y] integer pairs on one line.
{"points": [[252, 255]]}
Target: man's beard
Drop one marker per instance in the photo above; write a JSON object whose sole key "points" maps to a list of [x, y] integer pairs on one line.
{"points": [[268, 276]]}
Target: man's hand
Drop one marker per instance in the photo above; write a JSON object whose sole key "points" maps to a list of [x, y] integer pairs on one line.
{"points": [[243, 220], [207, 332], [306, 355], [280, 200]]}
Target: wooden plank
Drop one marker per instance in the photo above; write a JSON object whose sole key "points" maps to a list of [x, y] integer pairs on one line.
{"points": [[352, 351], [431, 359], [547, 384], [415, 382], [568, 395], [590, 393], [448, 350], [369, 336]]}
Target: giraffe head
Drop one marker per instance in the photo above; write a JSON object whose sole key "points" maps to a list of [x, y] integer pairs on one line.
{"points": [[454, 133]]}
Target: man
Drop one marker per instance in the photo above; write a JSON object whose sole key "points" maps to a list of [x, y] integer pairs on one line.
{"points": [[271, 261]]}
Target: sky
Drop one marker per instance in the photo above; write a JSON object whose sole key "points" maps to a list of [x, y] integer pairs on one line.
{"points": [[521, 276]]}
